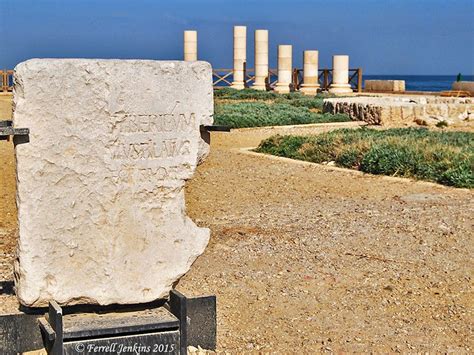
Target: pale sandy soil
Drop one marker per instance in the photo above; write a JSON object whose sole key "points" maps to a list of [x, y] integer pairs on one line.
{"points": [[8, 223], [305, 258]]}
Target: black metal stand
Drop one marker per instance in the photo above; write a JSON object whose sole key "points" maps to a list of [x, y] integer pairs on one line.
{"points": [[7, 130], [169, 329]]}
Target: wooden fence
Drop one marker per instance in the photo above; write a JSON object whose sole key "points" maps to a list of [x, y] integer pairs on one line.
{"points": [[7, 80], [223, 77]]}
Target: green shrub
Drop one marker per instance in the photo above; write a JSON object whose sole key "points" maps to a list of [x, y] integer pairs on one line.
{"points": [[294, 98], [246, 94], [443, 157], [257, 114], [390, 159], [349, 158], [303, 101]]}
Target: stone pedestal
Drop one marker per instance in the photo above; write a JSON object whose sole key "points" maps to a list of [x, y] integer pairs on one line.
{"points": [[190, 46], [464, 86], [340, 75], [384, 85], [310, 84], [285, 69], [100, 183], [240, 57], [261, 59]]}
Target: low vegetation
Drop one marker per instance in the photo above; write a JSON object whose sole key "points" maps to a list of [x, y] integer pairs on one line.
{"points": [[253, 108], [246, 94], [443, 157], [257, 114], [294, 99]]}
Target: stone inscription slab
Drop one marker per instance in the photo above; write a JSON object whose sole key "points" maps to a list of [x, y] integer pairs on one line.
{"points": [[101, 182]]}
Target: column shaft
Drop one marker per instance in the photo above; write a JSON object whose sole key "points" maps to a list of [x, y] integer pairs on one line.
{"points": [[310, 73], [190, 45], [340, 75], [240, 56], [261, 59], [285, 68]]}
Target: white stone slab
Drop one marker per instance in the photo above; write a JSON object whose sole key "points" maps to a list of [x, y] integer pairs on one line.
{"points": [[101, 182]]}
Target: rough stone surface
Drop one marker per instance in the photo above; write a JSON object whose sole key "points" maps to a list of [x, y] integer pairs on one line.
{"points": [[385, 85], [403, 110], [101, 182], [464, 86]]}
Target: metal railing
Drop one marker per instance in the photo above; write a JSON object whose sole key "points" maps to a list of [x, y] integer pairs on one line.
{"points": [[223, 77]]}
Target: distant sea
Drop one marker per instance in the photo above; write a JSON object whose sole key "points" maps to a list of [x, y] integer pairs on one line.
{"points": [[423, 82]]}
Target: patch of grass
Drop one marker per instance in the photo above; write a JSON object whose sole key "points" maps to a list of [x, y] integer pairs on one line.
{"points": [[294, 98], [258, 114], [246, 94], [443, 157]]}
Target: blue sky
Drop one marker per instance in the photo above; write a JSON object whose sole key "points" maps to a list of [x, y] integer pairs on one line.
{"points": [[381, 36]]}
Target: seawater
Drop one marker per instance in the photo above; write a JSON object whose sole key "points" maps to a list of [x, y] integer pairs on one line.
{"points": [[412, 82]]}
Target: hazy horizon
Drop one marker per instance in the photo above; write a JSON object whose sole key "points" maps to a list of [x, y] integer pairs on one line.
{"points": [[391, 37]]}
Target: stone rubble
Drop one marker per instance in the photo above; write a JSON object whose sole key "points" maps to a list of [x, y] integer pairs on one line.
{"points": [[402, 110]]}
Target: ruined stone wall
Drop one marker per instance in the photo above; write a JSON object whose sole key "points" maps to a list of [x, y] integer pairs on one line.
{"points": [[403, 111]]}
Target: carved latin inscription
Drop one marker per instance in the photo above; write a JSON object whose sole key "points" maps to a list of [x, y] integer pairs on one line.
{"points": [[154, 123]]}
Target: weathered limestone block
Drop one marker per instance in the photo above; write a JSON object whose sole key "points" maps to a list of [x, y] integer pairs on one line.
{"points": [[464, 86], [385, 85], [101, 182]]}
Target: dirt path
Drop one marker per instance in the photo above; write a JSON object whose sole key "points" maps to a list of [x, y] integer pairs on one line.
{"points": [[304, 258]]}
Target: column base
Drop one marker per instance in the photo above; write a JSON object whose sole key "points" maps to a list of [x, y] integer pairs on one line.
{"points": [[282, 88], [238, 85], [261, 87], [340, 89], [309, 90]]}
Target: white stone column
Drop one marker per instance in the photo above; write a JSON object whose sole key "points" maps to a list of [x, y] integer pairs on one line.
{"points": [[190, 45], [340, 75], [310, 73], [261, 59], [285, 69], [240, 56]]}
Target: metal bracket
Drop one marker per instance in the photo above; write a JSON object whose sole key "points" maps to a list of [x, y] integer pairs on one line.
{"points": [[7, 130], [215, 128]]}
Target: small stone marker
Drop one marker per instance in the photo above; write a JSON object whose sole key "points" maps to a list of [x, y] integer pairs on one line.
{"points": [[101, 181]]}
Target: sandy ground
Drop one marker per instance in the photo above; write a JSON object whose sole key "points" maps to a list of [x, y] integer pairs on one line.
{"points": [[309, 258], [8, 223], [305, 258]]}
